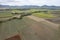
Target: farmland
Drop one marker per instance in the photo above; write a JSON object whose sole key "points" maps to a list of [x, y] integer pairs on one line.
{"points": [[5, 14], [43, 15], [27, 28]]}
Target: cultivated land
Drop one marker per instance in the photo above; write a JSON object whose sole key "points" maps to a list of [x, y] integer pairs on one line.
{"points": [[29, 28]]}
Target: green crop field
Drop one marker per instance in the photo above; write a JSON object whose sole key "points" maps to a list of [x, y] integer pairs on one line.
{"points": [[5, 13], [43, 15]]}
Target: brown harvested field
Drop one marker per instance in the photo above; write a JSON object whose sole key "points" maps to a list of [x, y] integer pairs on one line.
{"points": [[16, 37], [54, 20]]}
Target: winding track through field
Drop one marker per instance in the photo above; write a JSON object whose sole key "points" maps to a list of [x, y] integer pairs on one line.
{"points": [[53, 25], [38, 31]]}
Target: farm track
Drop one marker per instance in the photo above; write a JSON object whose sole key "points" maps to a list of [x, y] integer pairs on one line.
{"points": [[53, 25], [37, 31]]}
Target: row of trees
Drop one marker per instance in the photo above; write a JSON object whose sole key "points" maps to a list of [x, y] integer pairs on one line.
{"points": [[40, 11]]}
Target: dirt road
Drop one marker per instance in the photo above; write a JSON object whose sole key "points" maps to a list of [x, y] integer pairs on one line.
{"points": [[37, 31], [53, 25]]}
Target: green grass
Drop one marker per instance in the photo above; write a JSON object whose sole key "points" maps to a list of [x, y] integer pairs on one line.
{"points": [[44, 15], [5, 14]]}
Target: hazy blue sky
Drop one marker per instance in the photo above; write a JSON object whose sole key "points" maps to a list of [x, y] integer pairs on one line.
{"points": [[30, 2]]}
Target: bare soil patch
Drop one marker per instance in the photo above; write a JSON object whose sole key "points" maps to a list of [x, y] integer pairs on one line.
{"points": [[16, 37]]}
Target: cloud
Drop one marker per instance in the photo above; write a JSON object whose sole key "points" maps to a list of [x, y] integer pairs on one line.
{"points": [[15, 2], [30, 2], [45, 2]]}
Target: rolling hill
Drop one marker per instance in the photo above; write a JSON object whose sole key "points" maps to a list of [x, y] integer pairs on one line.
{"points": [[30, 6]]}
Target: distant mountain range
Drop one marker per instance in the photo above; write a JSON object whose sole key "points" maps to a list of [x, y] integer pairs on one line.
{"points": [[50, 7], [30, 6]]}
